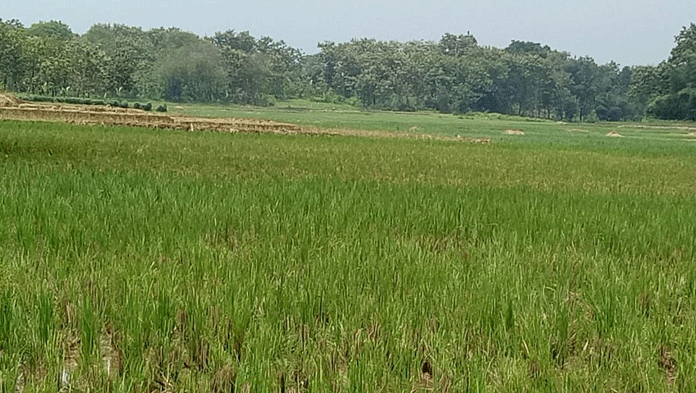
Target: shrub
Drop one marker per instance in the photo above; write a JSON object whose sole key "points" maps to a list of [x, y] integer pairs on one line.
{"points": [[354, 101], [267, 101], [162, 108], [37, 99], [124, 105], [147, 107], [137, 106], [329, 97]]}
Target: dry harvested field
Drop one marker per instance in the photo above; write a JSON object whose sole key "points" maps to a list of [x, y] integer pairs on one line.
{"points": [[11, 108]]}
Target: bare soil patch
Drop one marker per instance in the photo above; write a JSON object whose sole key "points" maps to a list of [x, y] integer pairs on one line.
{"points": [[615, 134]]}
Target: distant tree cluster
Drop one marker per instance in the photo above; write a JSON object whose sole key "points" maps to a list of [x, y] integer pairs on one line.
{"points": [[458, 75], [454, 75], [121, 61]]}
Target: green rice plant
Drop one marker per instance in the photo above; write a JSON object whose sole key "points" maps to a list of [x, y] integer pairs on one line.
{"points": [[134, 260], [8, 337]]}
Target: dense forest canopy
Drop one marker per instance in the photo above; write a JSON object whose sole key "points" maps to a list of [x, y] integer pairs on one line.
{"points": [[454, 75]]}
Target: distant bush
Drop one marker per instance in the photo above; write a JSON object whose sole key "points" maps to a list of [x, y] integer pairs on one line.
{"points": [[329, 97], [267, 101], [81, 101], [354, 101], [88, 101], [40, 99], [145, 107], [613, 113]]}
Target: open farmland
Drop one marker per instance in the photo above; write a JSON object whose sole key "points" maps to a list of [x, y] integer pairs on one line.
{"points": [[12, 108], [146, 260]]}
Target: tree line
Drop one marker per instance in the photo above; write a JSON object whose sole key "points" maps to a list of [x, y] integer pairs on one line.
{"points": [[453, 75]]}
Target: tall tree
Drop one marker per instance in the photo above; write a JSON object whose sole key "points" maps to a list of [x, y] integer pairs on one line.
{"points": [[584, 84], [52, 29], [680, 101], [257, 70], [12, 54], [193, 72], [128, 49], [647, 83]]}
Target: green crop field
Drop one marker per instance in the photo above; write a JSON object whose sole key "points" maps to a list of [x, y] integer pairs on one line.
{"points": [[136, 260], [492, 125]]}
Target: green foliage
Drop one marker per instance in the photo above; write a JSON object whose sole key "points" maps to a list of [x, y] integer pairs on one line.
{"points": [[520, 47], [12, 53], [145, 107], [162, 108], [65, 100], [51, 30], [267, 100], [192, 73], [257, 68], [613, 102], [457, 76], [457, 45], [328, 97], [679, 106], [674, 83], [128, 50], [40, 98]]}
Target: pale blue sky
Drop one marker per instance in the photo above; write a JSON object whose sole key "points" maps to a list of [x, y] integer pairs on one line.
{"points": [[629, 32]]}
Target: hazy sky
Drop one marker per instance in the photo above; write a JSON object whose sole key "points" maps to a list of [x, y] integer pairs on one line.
{"points": [[630, 32]]}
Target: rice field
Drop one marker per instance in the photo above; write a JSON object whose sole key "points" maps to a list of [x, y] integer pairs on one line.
{"points": [[134, 260]]}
